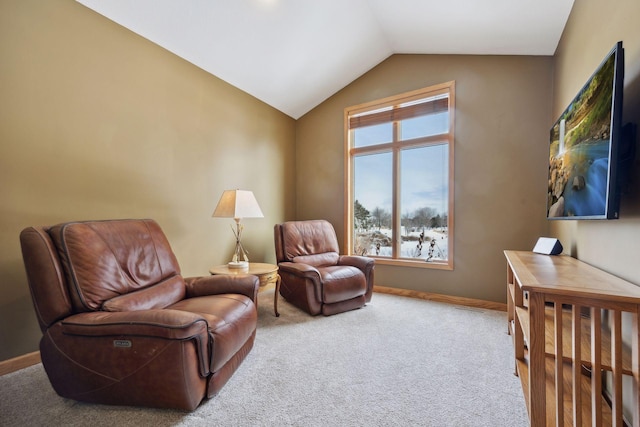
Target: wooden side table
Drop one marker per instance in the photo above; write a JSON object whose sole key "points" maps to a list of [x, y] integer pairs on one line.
{"points": [[267, 274]]}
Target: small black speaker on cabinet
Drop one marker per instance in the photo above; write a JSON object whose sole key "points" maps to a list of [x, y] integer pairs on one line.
{"points": [[548, 246]]}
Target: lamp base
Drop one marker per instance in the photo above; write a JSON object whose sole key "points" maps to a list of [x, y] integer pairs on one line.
{"points": [[238, 264]]}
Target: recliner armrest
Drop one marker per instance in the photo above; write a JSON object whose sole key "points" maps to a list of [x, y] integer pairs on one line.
{"points": [[299, 269], [364, 264], [361, 262], [303, 275], [223, 284]]}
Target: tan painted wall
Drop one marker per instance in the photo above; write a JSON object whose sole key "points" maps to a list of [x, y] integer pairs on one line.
{"points": [[502, 120], [96, 122], [591, 32]]}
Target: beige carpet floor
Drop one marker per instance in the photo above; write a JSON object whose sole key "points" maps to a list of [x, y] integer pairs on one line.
{"points": [[396, 362]]}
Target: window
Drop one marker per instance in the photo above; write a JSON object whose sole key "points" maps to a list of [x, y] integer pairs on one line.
{"points": [[399, 178]]}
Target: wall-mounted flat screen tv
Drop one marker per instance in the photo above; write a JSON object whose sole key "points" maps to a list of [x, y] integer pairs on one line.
{"points": [[584, 144]]}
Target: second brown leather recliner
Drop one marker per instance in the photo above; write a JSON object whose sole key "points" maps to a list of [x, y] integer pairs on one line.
{"points": [[314, 276]]}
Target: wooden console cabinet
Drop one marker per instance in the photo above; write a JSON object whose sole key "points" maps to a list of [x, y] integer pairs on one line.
{"points": [[566, 319]]}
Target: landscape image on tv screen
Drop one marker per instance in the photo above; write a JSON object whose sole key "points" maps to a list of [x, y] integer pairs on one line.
{"points": [[580, 150]]}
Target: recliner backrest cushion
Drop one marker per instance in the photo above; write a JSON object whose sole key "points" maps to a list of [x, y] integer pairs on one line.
{"points": [[105, 259], [303, 238]]}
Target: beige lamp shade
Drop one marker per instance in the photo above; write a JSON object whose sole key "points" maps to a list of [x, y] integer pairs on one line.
{"points": [[238, 204]]}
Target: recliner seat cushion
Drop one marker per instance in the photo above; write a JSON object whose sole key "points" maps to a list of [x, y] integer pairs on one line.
{"points": [[341, 283]]}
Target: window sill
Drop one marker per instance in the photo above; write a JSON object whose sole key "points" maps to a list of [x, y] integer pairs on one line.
{"points": [[413, 264]]}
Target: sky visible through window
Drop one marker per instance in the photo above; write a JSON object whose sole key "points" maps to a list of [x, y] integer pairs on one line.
{"points": [[424, 170]]}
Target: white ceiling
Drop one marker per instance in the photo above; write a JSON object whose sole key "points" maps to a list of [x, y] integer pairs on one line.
{"points": [[294, 54]]}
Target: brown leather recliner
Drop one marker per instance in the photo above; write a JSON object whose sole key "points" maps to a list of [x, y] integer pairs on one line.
{"points": [[314, 276], [121, 326]]}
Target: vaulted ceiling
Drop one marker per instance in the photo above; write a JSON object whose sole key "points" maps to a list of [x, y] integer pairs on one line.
{"points": [[294, 54]]}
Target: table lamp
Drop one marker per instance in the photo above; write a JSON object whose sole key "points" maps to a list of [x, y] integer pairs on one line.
{"points": [[238, 204]]}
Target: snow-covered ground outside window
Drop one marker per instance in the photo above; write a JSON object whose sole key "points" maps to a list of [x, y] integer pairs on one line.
{"points": [[429, 244]]}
